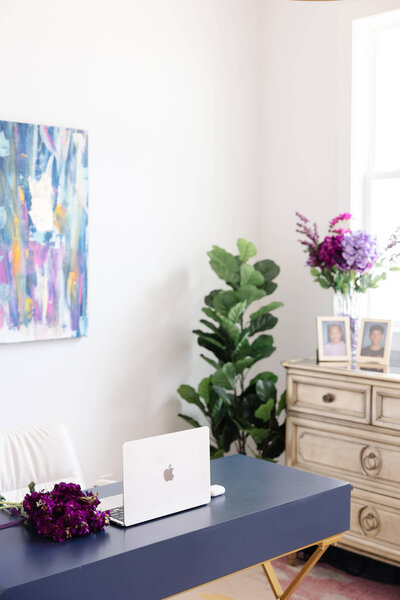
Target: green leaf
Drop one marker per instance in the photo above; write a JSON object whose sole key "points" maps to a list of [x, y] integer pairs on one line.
{"points": [[314, 272], [259, 435], [281, 404], [231, 329], [209, 299], [211, 314], [224, 301], [262, 347], [210, 325], [210, 361], [31, 487], [225, 377], [249, 276], [210, 338], [266, 376], [242, 349], [218, 412], [264, 411], [262, 323], [224, 264], [265, 389], [223, 394], [220, 353], [204, 389], [216, 452], [250, 293], [266, 309], [324, 284], [217, 337], [242, 364], [268, 268], [394, 268], [237, 311], [190, 395], [189, 420], [246, 249], [269, 287]]}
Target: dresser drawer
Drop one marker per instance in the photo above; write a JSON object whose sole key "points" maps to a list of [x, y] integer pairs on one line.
{"points": [[374, 526], [365, 458], [386, 407], [338, 398]]}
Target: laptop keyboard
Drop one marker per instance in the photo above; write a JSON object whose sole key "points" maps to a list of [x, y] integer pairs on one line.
{"points": [[117, 513]]}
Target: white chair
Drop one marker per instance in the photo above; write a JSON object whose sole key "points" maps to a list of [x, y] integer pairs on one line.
{"points": [[43, 454]]}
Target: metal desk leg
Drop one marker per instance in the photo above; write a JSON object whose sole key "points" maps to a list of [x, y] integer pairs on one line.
{"points": [[314, 558]]}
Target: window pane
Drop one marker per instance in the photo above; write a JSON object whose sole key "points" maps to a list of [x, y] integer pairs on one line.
{"points": [[387, 131], [385, 218]]}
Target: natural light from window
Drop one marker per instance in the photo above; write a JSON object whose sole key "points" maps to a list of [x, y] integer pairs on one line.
{"points": [[376, 143]]}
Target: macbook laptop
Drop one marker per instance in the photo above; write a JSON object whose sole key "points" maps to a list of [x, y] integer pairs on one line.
{"points": [[162, 475]]}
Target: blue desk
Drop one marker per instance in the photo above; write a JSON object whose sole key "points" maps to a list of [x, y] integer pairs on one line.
{"points": [[268, 510]]}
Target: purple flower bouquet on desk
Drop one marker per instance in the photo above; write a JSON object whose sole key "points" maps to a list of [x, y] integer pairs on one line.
{"points": [[347, 261], [63, 513]]}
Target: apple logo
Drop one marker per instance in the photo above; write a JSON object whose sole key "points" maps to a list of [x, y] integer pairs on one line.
{"points": [[168, 473]]}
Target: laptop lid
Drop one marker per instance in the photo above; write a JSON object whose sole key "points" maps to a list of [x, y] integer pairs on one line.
{"points": [[166, 474]]}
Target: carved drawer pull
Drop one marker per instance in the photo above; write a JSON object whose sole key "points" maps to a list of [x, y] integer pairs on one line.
{"points": [[369, 521], [328, 397], [371, 461]]}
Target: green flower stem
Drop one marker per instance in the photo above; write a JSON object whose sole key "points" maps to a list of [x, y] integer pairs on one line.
{"points": [[7, 505]]}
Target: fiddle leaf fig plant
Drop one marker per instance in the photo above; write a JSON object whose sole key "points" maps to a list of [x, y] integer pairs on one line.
{"points": [[236, 406]]}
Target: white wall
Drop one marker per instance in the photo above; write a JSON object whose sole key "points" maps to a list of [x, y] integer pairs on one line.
{"points": [[307, 147], [208, 120], [170, 91]]}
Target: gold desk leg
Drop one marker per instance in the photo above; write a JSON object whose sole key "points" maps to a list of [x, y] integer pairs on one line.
{"points": [[292, 559], [322, 546]]}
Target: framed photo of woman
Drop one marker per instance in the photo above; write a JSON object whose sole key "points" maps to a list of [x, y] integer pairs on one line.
{"points": [[374, 341], [333, 339]]}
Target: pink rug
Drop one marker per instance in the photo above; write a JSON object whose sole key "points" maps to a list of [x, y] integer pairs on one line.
{"points": [[327, 583], [322, 583]]}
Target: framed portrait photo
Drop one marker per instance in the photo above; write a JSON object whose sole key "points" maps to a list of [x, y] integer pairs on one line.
{"points": [[374, 341], [333, 339]]}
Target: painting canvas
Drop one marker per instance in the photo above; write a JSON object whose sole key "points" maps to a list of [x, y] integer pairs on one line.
{"points": [[43, 232]]}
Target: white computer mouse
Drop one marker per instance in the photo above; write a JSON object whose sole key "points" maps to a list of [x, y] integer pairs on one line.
{"points": [[217, 490]]}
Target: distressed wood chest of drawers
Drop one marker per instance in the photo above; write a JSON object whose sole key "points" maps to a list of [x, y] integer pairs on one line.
{"points": [[345, 423]]}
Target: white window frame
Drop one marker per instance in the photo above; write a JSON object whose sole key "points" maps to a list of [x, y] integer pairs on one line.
{"points": [[363, 172]]}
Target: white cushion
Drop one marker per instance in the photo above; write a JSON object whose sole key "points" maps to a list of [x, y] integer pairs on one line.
{"points": [[43, 454]]}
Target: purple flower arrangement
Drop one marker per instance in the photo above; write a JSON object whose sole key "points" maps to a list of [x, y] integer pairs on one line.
{"points": [[344, 260], [63, 513]]}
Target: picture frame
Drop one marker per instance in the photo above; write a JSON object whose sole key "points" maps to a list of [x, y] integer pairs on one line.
{"points": [[372, 367], [374, 341], [334, 342]]}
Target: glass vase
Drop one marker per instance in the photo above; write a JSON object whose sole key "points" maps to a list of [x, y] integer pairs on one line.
{"points": [[349, 305]]}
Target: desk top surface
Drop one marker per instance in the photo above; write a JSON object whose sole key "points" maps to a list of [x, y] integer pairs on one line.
{"points": [[252, 487]]}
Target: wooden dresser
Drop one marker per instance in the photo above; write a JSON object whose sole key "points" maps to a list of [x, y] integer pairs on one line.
{"points": [[345, 423]]}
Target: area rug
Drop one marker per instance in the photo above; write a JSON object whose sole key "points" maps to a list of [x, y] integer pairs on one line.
{"points": [[322, 583]]}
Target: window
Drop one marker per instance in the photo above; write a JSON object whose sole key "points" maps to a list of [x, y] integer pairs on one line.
{"points": [[376, 143]]}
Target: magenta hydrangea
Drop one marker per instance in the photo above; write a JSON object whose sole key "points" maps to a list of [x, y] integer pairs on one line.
{"points": [[64, 512], [330, 252]]}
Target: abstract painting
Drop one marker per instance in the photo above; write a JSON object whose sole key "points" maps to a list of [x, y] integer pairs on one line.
{"points": [[43, 232]]}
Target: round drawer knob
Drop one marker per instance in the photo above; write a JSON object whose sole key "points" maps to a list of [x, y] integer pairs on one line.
{"points": [[328, 398]]}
